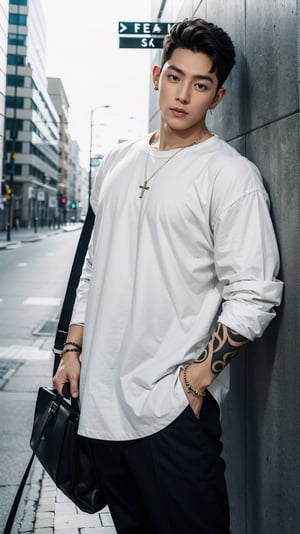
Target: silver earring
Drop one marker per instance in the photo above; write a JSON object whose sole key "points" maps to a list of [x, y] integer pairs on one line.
{"points": [[155, 87]]}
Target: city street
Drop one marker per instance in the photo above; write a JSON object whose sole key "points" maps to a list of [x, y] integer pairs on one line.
{"points": [[32, 285]]}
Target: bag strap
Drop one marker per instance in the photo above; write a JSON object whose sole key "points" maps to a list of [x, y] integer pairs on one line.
{"points": [[15, 504], [70, 295], [12, 514], [60, 337]]}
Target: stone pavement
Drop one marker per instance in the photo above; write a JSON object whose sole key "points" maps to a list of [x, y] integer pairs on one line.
{"points": [[53, 513], [44, 509]]}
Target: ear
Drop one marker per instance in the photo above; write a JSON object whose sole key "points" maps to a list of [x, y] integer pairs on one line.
{"points": [[155, 74], [218, 97]]}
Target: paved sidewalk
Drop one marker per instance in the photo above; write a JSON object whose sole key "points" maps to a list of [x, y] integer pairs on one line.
{"points": [[56, 514], [44, 509], [27, 235]]}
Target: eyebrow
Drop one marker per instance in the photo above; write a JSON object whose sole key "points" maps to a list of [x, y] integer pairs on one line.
{"points": [[196, 76]]}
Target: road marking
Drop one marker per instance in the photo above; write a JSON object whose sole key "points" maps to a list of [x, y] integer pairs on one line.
{"points": [[21, 264], [42, 301], [24, 352]]}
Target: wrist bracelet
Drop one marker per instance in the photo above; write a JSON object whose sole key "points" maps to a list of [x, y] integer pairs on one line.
{"points": [[79, 347], [69, 350], [189, 387]]}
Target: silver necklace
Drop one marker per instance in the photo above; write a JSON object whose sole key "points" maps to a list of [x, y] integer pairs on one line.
{"points": [[147, 179]]}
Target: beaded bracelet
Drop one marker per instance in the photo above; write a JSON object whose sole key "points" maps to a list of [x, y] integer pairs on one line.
{"points": [[69, 350], [79, 347], [190, 388]]}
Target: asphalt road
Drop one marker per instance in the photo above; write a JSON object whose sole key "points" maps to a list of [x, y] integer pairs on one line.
{"points": [[33, 278]]}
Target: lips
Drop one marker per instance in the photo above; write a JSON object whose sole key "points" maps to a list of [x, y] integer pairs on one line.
{"points": [[178, 112]]}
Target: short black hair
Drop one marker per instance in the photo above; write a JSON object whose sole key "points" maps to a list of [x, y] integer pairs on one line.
{"points": [[198, 35]]}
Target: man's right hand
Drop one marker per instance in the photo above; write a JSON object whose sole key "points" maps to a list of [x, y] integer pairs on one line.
{"points": [[68, 372]]}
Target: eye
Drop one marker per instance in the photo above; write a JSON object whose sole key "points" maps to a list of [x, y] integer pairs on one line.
{"points": [[173, 77], [200, 86]]}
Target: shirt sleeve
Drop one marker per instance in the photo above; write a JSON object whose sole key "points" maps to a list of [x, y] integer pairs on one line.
{"points": [[247, 263]]}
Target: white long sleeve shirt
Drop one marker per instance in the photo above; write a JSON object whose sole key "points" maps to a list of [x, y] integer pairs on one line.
{"points": [[198, 248]]}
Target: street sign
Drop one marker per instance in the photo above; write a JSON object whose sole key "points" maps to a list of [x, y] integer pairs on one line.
{"points": [[31, 192], [145, 28], [140, 42], [52, 203]]}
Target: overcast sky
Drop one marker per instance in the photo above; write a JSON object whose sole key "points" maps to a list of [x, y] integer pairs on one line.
{"points": [[83, 50]]}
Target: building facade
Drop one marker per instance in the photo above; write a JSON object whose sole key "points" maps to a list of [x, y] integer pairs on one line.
{"points": [[3, 53], [260, 117], [60, 101], [31, 126], [73, 179], [83, 191]]}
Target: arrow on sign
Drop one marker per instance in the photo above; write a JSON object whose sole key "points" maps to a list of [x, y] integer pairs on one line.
{"points": [[145, 28], [122, 27]]}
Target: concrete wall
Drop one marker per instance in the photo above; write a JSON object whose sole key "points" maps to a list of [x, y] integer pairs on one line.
{"points": [[260, 117]]}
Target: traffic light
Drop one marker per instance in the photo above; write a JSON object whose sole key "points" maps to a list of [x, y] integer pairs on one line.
{"points": [[8, 192], [73, 205]]}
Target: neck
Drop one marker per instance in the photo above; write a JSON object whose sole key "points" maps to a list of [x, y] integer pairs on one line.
{"points": [[162, 140]]}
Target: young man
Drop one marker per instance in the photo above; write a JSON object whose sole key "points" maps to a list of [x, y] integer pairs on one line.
{"points": [[179, 276]]}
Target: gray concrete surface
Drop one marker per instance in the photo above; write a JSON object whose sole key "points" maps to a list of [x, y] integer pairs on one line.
{"points": [[260, 117]]}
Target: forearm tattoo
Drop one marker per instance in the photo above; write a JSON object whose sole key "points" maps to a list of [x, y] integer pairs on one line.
{"points": [[222, 347]]}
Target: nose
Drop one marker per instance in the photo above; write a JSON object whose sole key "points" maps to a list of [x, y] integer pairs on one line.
{"points": [[183, 95]]}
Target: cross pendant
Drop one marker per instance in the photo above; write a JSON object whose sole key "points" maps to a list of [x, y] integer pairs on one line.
{"points": [[144, 188]]}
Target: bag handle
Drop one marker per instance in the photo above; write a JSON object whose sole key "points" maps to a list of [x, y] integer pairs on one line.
{"points": [[70, 295]]}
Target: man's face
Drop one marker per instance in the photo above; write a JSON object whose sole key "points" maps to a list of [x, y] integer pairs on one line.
{"points": [[187, 89]]}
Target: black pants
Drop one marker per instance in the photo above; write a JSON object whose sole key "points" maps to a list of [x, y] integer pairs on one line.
{"points": [[171, 482]]}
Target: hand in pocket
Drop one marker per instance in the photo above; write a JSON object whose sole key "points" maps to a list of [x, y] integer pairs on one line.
{"points": [[194, 402]]}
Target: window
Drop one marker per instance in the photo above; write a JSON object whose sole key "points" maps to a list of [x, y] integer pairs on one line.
{"points": [[16, 59], [34, 150], [33, 171], [16, 39], [15, 102], [16, 18], [13, 124], [33, 105], [17, 169], [18, 2], [12, 80], [18, 147]]}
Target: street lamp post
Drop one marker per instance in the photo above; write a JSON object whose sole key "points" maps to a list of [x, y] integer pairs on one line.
{"points": [[91, 144]]}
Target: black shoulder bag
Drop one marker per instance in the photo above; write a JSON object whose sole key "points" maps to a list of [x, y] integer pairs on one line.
{"points": [[55, 442]]}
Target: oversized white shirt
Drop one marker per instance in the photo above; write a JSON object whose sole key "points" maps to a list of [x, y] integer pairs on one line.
{"points": [[198, 248]]}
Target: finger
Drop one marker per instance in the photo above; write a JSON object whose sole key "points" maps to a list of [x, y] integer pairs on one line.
{"points": [[58, 382], [74, 387]]}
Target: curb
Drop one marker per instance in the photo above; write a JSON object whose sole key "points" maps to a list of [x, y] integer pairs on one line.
{"points": [[37, 237], [8, 244]]}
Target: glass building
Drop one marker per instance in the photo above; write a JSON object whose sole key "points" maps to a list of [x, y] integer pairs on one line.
{"points": [[3, 52], [31, 126]]}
